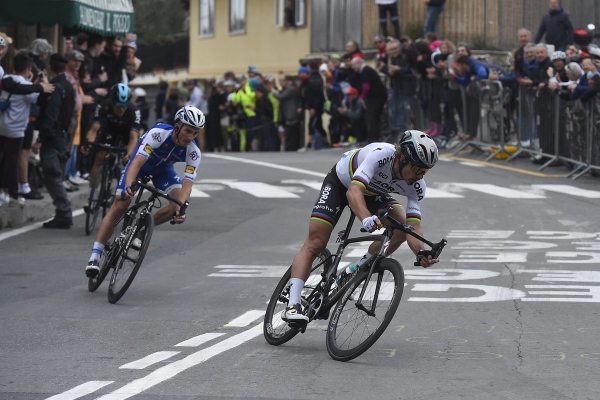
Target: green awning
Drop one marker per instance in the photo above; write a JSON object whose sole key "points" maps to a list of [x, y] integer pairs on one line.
{"points": [[106, 17]]}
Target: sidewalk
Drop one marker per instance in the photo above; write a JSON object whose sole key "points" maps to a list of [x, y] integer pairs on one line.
{"points": [[38, 210]]}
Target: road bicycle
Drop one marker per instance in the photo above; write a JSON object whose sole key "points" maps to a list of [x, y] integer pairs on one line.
{"points": [[123, 253], [105, 197], [363, 304]]}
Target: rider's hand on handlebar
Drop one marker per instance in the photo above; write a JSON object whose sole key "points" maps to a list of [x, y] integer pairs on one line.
{"points": [[178, 218], [371, 223], [128, 193], [425, 259]]}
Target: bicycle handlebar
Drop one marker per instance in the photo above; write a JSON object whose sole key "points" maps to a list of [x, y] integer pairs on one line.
{"points": [[112, 149], [182, 206], [436, 248]]}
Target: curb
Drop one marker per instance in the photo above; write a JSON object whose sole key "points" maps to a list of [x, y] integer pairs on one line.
{"points": [[39, 210]]}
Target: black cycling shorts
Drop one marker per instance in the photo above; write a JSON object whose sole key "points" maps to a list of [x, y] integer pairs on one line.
{"points": [[332, 200]]}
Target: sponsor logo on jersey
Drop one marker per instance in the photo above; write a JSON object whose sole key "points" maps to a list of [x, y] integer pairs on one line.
{"points": [[324, 194], [386, 160], [189, 169], [148, 149], [156, 137], [193, 156], [418, 190]]}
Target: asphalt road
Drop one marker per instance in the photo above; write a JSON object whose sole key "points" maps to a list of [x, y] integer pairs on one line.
{"points": [[511, 311]]}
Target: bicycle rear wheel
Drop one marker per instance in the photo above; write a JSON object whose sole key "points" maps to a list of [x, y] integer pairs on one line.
{"points": [[108, 258], [276, 330], [130, 259], [351, 329]]}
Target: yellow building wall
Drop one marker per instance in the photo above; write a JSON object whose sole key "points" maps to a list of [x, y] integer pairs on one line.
{"points": [[271, 48]]}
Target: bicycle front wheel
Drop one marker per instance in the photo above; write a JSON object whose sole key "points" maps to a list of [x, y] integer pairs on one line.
{"points": [[354, 326], [130, 258], [109, 256], [275, 329]]}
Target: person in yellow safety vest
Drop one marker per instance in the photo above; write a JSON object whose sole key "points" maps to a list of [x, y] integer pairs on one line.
{"points": [[246, 97], [269, 84]]}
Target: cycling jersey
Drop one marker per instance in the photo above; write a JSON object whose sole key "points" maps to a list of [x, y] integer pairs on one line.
{"points": [[114, 129], [158, 147], [370, 168]]}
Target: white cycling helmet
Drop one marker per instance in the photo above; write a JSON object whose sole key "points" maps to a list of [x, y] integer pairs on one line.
{"points": [[418, 148], [191, 116]]}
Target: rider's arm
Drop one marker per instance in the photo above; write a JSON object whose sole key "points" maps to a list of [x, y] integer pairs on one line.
{"points": [[356, 200], [134, 170], [133, 138]]}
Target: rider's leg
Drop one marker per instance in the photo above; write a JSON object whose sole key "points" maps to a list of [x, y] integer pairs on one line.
{"points": [[166, 213], [318, 236], [96, 169]]}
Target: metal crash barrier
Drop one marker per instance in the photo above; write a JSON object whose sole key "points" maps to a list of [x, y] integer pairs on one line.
{"points": [[533, 122]]}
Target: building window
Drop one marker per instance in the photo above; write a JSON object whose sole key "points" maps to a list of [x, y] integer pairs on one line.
{"points": [[291, 13], [237, 16], [206, 27]]}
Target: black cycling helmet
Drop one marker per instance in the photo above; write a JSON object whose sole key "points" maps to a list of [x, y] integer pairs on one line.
{"points": [[418, 148], [120, 95]]}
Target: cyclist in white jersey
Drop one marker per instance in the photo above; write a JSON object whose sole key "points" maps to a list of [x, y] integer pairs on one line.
{"points": [[363, 179], [157, 151]]}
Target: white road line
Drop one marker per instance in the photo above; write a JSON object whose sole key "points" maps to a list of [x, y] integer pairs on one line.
{"points": [[470, 164], [197, 192], [199, 340], [81, 390], [169, 371], [571, 190], [499, 191], [266, 164], [149, 360], [432, 193], [32, 227], [262, 190], [311, 184], [265, 271], [245, 319]]}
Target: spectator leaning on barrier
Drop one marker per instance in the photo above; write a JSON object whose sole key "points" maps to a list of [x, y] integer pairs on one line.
{"points": [[556, 26], [373, 93], [56, 111], [13, 121]]}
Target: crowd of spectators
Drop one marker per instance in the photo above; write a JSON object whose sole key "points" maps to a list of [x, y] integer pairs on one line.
{"points": [[47, 103]]}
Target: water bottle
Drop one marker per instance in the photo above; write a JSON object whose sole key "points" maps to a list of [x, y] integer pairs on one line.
{"points": [[352, 268]]}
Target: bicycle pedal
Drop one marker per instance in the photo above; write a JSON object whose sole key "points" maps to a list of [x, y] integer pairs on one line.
{"points": [[300, 325]]}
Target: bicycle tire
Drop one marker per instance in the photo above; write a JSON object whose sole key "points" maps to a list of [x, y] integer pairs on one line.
{"points": [[108, 257], [115, 292], [91, 217], [275, 330], [341, 349]]}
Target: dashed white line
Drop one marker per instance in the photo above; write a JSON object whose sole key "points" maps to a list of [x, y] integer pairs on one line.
{"points": [[149, 360], [169, 371], [80, 391], [199, 340], [245, 319]]}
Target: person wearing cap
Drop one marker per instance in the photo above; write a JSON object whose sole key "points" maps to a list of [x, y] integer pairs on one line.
{"points": [[557, 72], [352, 116], [385, 8], [56, 113]]}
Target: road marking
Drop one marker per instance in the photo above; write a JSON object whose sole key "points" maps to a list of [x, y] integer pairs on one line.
{"points": [[506, 167], [197, 192], [81, 390], [149, 360], [499, 191], [261, 190], [169, 371], [571, 190], [32, 227], [432, 193], [199, 340], [266, 164], [245, 319], [471, 164], [311, 184], [247, 271]]}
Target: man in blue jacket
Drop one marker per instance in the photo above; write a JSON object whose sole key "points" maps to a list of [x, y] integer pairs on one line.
{"points": [[557, 27]]}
